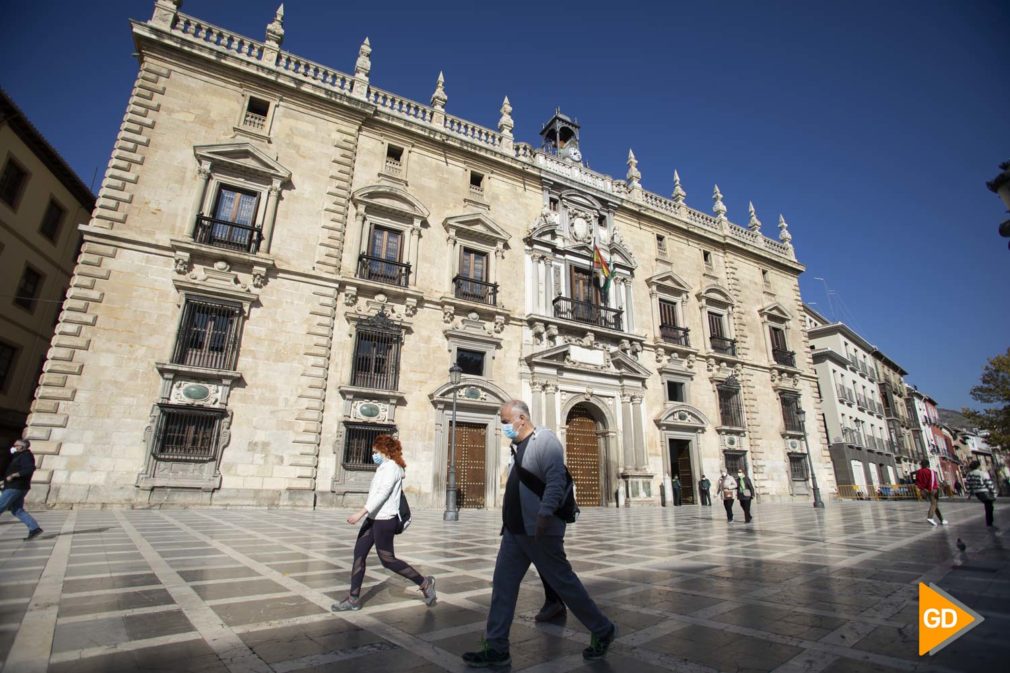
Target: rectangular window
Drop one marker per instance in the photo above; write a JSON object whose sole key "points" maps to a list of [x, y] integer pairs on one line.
{"points": [[394, 154], [471, 282], [552, 204], [730, 409], [8, 356], [715, 326], [661, 244], [675, 391], [707, 257], [358, 441], [669, 325], [233, 225], [477, 182], [376, 358], [27, 293], [52, 221], [208, 335], [382, 262], [798, 468], [12, 182], [256, 112], [735, 462], [471, 362], [187, 434], [790, 409]]}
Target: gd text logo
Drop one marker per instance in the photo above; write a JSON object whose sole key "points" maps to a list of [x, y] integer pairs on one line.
{"points": [[942, 619]]}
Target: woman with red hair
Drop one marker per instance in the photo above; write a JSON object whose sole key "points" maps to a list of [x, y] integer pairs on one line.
{"points": [[382, 509]]}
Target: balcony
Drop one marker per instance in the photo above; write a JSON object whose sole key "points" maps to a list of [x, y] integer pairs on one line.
{"points": [[784, 357], [675, 335], [587, 312], [227, 235], [851, 436], [471, 289], [382, 270], [723, 345]]}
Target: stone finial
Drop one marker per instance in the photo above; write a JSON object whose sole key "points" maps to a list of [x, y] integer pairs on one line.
{"points": [[505, 123], [275, 29], [754, 224], [718, 207], [634, 175], [364, 63], [165, 11], [678, 192], [439, 99], [784, 234]]}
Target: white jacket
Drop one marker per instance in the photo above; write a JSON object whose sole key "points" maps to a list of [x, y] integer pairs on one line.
{"points": [[384, 494]]}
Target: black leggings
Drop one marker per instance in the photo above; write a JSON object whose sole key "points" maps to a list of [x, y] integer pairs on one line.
{"points": [[988, 507], [380, 533], [728, 504]]}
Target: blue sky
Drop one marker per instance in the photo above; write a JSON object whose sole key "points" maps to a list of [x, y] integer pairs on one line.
{"points": [[872, 126]]}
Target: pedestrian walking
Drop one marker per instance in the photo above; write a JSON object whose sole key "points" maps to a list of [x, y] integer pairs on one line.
{"points": [[928, 482], [677, 488], [17, 482], [382, 509], [980, 485], [745, 494], [704, 488], [727, 490], [532, 533]]}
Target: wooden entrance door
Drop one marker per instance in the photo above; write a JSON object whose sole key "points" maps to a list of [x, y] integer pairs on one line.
{"points": [[583, 457], [680, 466], [471, 449]]}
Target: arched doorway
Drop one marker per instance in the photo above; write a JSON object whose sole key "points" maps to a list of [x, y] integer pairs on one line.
{"points": [[583, 456]]}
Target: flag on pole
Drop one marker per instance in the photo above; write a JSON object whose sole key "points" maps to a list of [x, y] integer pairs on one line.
{"points": [[602, 269]]}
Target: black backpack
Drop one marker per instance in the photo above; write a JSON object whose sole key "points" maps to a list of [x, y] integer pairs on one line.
{"points": [[568, 511], [403, 518]]}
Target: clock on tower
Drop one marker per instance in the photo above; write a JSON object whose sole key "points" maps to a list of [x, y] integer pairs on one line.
{"points": [[561, 137]]}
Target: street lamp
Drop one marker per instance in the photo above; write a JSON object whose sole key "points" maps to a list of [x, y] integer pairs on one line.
{"points": [[802, 416], [451, 510]]}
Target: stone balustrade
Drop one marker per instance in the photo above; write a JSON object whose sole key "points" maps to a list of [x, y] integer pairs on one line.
{"points": [[194, 30]]}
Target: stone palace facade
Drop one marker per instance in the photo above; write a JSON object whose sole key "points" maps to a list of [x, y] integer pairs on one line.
{"points": [[284, 261]]}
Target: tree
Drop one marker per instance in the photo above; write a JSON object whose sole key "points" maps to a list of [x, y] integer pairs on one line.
{"points": [[994, 390]]}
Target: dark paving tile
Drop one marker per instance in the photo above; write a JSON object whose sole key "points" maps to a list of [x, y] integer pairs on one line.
{"points": [[116, 582], [669, 600], [201, 574], [256, 611], [294, 642], [193, 656], [86, 605], [115, 630], [845, 665], [108, 568], [723, 650], [322, 580], [528, 646], [292, 567], [237, 589], [6, 641], [9, 591], [12, 614], [781, 621], [422, 619]]}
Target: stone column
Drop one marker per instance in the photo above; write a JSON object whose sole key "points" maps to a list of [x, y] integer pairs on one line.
{"points": [[203, 173], [627, 433], [636, 419], [629, 310], [551, 406], [536, 404], [270, 218]]}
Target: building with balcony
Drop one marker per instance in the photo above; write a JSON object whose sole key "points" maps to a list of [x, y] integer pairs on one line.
{"points": [[891, 393], [863, 450], [306, 255], [928, 435], [41, 203]]}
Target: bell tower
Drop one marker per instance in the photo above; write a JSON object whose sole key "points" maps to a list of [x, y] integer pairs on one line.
{"points": [[561, 137]]}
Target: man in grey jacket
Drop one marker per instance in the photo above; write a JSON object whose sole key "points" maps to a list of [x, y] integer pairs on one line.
{"points": [[532, 533]]}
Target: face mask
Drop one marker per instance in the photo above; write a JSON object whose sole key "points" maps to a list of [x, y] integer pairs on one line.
{"points": [[14, 449], [377, 458], [509, 431]]}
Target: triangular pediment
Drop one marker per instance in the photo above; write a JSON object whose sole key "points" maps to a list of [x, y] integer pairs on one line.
{"points": [[776, 310], [390, 198], [579, 357], [682, 415], [242, 157], [717, 294], [475, 225], [669, 282]]}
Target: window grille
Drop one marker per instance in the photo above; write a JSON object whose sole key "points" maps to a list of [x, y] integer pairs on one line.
{"points": [[790, 407], [377, 353], [358, 441], [730, 409], [208, 336], [187, 434], [798, 468], [735, 462]]}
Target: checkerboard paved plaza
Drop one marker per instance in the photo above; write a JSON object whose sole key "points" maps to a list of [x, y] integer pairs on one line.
{"points": [[250, 590]]}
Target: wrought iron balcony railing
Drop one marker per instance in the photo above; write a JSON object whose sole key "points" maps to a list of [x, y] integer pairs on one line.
{"points": [[472, 289], [383, 270], [587, 312], [228, 235], [675, 335], [723, 345], [784, 357]]}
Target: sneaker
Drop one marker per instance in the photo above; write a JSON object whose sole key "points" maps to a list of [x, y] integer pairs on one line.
{"points": [[932, 522], [485, 657], [598, 646], [943, 521], [550, 611], [34, 533], [348, 604], [430, 597]]}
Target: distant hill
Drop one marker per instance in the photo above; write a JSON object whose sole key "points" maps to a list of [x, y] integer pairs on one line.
{"points": [[954, 419]]}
